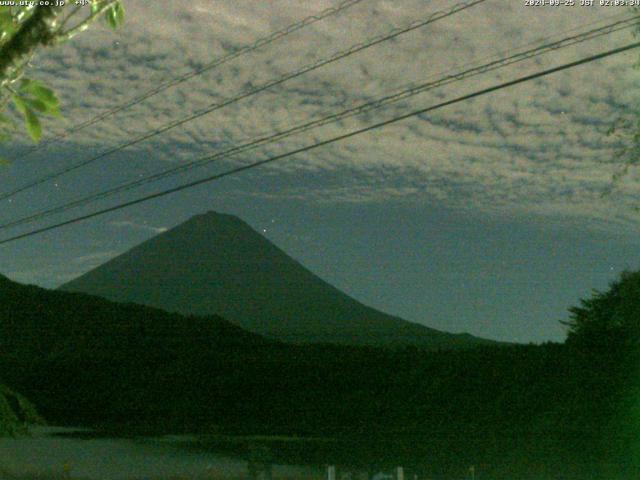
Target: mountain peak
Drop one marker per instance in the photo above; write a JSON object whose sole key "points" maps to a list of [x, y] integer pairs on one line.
{"points": [[213, 215], [213, 219], [215, 263]]}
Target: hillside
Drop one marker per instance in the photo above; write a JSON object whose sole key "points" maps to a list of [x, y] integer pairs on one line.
{"points": [[85, 359], [517, 410], [217, 264], [16, 412]]}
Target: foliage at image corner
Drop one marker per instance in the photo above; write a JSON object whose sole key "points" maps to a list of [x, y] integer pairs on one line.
{"points": [[24, 31], [625, 132], [16, 413], [604, 334], [608, 320]]}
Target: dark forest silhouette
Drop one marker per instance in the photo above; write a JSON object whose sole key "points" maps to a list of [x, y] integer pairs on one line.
{"points": [[544, 409]]}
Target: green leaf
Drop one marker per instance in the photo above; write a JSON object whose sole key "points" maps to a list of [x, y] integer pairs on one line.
{"points": [[30, 118], [33, 125], [111, 18], [115, 15], [5, 121], [6, 20], [45, 100], [119, 13], [6, 128], [95, 6], [26, 84], [38, 90], [46, 95], [19, 103], [7, 25], [37, 105], [54, 111]]}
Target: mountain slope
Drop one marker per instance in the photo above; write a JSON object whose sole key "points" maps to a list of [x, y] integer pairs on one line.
{"points": [[85, 359], [217, 264], [15, 412]]}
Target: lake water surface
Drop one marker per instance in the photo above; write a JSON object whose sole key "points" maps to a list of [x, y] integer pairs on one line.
{"points": [[57, 453]]}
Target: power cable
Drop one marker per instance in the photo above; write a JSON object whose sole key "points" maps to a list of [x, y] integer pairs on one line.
{"points": [[338, 138], [198, 71], [363, 108], [272, 83]]}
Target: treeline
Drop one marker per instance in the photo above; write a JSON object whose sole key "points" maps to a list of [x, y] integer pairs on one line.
{"points": [[540, 409], [16, 413]]}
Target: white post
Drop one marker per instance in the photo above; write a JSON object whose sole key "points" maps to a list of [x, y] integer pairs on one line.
{"points": [[331, 472], [400, 473]]}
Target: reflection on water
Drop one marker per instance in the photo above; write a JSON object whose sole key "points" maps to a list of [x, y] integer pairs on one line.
{"points": [[46, 454], [59, 454]]}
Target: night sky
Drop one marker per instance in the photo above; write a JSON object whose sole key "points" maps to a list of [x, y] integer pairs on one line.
{"points": [[486, 217]]}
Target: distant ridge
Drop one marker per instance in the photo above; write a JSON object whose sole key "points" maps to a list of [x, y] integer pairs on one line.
{"points": [[84, 360], [217, 264]]}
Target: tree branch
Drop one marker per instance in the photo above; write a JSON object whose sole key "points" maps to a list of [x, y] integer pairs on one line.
{"points": [[82, 26], [35, 32], [66, 19]]}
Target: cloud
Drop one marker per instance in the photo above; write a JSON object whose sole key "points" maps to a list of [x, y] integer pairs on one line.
{"points": [[539, 147], [137, 226], [94, 258], [40, 276]]}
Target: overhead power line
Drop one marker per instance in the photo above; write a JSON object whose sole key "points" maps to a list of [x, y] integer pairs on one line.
{"points": [[272, 83], [332, 118], [322, 143], [198, 71]]}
